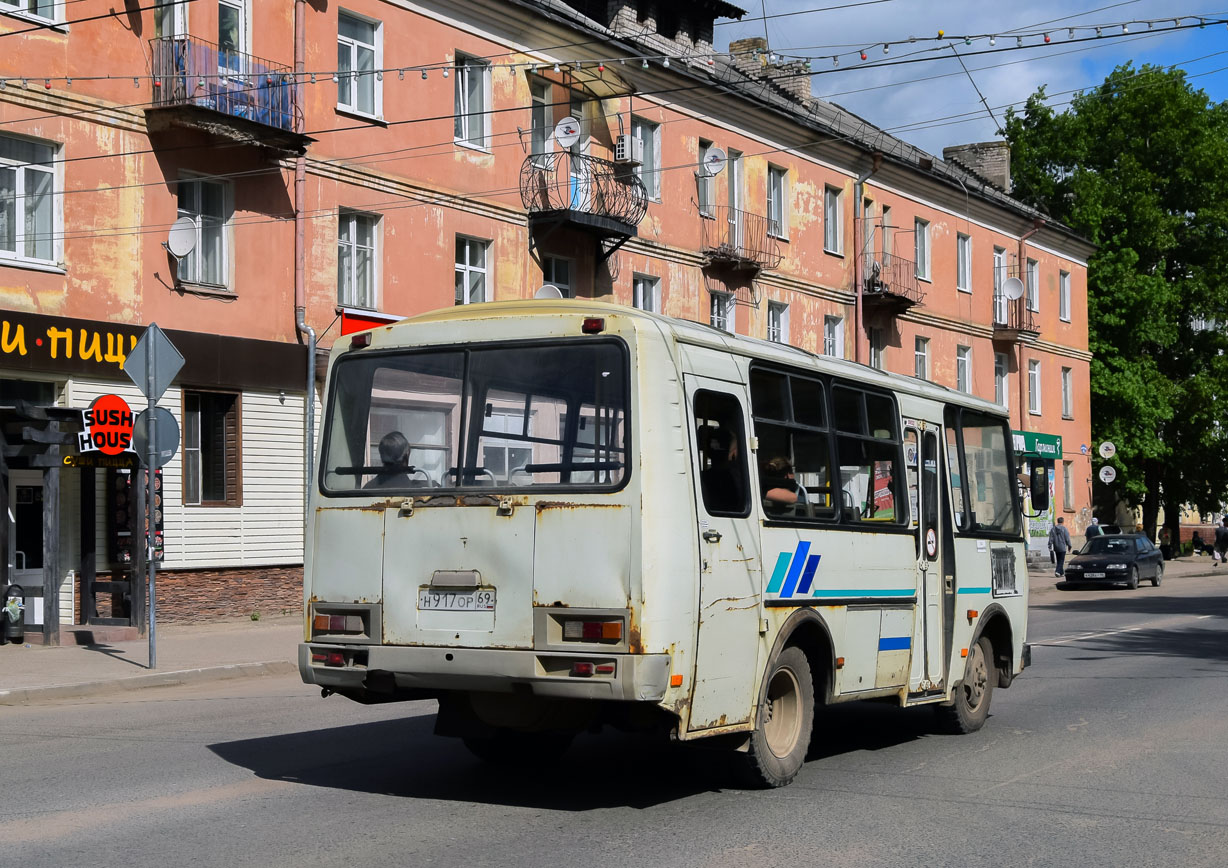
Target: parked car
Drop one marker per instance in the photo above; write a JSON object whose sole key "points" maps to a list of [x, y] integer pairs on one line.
{"points": [[1116, 559]]}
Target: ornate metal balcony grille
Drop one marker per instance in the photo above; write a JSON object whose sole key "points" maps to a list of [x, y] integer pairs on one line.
{"points": [[891, 280], [562, 181], [191, 72], [739, 239]]}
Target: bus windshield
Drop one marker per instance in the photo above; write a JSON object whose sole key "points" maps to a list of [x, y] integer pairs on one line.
{"points": [[505, 417], [990, 485]]}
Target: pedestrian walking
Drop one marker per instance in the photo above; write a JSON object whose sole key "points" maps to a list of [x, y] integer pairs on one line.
{"points": [[1094, 528], [1059, 544], [1221, 542]]}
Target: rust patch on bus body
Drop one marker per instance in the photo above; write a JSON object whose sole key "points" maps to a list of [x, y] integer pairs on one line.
{"points": [[543, 505]]}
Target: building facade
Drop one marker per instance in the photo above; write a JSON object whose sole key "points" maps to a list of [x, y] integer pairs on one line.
{"points": [[381, 158]]}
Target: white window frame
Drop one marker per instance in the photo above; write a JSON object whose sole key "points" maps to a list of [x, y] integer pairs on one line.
{"points": [[878, 348], [921, 358], [646, 292], [963, 262], [1068, 485], [778, 322], [1001, 375], [921, 247], [465, 67], [245, 36], [193, 259], [467, 268], [541, 120], [833, 220], [833, 336], [377, 50], [18, 9], [963, 369], [21, 170], [1063, 296], [777, 196], [1032, 272], [705, 184], [1034, 402], [347, 287], [721, 312], [1067, 393], [550, 274], [648, 133]]}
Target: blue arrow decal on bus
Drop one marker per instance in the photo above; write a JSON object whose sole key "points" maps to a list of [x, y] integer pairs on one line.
{"points": [[790, 568]]}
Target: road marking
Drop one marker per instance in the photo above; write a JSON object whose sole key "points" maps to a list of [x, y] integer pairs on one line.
{"points": [[1093, 635]]}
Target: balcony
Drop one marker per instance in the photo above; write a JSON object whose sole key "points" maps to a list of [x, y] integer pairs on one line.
{"points": [[1012, 321], [235, 96], [739, 241], [891, 284], [601, 198]]}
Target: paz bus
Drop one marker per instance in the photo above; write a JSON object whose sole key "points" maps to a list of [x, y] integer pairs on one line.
{"points": [[552, 515]]}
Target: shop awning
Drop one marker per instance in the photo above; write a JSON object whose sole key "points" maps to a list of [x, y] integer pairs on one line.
{"points": [[1034, 444]]}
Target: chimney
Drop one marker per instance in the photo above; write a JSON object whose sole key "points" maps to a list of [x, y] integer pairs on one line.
{"points": [[744, 56], [792, 77], [989, 160]]}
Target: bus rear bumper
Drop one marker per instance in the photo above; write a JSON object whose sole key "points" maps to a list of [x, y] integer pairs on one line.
{"points": [[377, 668]]}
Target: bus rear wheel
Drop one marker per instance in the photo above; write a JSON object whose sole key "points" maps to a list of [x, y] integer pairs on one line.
{"points": [[970, 707], [781, 737]]}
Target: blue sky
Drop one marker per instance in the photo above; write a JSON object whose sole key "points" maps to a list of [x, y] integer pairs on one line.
{"points": [[947, 110]]}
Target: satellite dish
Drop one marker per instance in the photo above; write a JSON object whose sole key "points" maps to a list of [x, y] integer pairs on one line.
{"points": [[567, 132], [1012, 288], [714, 162], [548, 290], [181, 240]]}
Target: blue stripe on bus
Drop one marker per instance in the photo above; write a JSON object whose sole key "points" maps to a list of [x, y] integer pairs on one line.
{"points": [[894, 643], [795, 569], [975, 590], [778, 574], [812, 564], [864, 592]]}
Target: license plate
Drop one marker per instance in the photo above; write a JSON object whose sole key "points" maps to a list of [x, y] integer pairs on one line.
{"points": [[456, 601], [1093, 575]]}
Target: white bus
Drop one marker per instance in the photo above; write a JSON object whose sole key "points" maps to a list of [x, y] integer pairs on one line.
{"points": [[554, 515]]}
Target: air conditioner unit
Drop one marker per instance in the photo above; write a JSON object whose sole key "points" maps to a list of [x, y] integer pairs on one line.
{"points": [[628, 149]]}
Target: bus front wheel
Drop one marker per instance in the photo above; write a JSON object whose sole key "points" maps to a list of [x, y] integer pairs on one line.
{"points": [[970, 707], [781, 737]]}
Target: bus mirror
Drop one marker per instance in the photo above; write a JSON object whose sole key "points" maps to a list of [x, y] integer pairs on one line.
{"points": [[1040, 487]]}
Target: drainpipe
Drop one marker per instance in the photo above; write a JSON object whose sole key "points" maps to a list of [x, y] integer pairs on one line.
{"points": [[859, 234], [1037, 224], [300, 257]]}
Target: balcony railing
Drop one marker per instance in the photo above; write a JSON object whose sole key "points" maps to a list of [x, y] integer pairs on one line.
{"points": [[1012, 320], [191, 72], [891, 280], [739, 238], [589, 186]]}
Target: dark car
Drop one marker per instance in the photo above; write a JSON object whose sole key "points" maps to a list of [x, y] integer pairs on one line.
{"points": [[1116, 559]]}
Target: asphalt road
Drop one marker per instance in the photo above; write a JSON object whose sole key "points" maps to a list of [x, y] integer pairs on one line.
{"points": [[1110, 751]]}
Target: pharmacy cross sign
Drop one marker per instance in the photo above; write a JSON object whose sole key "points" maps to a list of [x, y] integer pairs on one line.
{"points": [[155, 355]]}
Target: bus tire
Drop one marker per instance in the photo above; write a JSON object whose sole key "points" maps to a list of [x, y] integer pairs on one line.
{"points": [[510, 747], [781, 736], [970, 707]]}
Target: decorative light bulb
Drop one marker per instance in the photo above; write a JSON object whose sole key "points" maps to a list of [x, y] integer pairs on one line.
{"points": [[601, 67], [445, 72], [379, 75], [665, 63], [424, 75], [47, 83], [644, 63], [401, 74], [1125, 28], [1097, 31], [967, 40], [1019, 42], [886, 48], [941, 33], [336, 78], [556, 67], [993, 40], [863, 55], [1046, 37], [313, 78], [1070, 33], [835, 61]]}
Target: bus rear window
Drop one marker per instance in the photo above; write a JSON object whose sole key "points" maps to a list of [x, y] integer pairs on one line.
{"points": [[505, 417]]}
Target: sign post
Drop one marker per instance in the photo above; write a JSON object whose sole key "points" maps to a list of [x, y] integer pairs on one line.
{"points": [[152, 364]]}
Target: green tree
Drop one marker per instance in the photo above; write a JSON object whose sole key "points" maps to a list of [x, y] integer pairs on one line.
{"points": [[1140, 167]]}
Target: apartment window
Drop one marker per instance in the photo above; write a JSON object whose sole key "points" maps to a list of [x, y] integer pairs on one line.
{"points": [[359, 49], [1001, 306], [470, 270], [28, 214], [963, 369], [207, 203], [1001, 367], [646, 292], [356, 259], [472, 85], [833, 229], [1033, 386], [887, 229], [170, 19], [232, 37], [776, 210], [833, 336], [1067, 394], [1067, 485], [921, 247], [705, 182], [778, 322], [963, 272], [1063, 296], [921, 358], [212, 474], [867, 210], [721, 312], [557, 271], [541, 120], [45, 9], [878, 347], [1033, 285], [649, 136]]}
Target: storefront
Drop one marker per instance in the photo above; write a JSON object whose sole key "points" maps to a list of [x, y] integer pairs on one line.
{"points": [[1035, 447]]}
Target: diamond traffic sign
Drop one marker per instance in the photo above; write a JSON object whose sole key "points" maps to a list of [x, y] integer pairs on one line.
{"points": [[153, 354]]}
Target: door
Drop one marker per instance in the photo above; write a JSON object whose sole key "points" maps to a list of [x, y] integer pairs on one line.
{"points": [[921, 448], [735, 199], [727, 661], [26, 558]]}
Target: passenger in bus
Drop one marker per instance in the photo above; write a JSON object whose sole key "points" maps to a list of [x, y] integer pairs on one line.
{"points": [[394, 455], [723, 482], [780, 489]]}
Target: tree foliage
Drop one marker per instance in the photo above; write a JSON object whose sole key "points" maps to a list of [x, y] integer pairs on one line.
{"points": [[1139, 166]]}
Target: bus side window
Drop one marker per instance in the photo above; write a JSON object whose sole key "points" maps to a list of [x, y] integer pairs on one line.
{"points": [[723, 477]]}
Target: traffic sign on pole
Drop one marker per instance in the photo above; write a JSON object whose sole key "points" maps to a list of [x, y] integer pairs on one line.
{"points": [[154, 353], [166, 430]]}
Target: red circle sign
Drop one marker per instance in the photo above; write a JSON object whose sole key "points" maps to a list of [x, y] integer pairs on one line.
{"points": [[109, 424]]}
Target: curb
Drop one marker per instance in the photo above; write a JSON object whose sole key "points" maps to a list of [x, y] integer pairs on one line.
{"points": [[34, 695]]}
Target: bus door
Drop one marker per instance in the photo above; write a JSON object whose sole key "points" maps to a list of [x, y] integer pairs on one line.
{"points": [[921, 446], [731, 577]]}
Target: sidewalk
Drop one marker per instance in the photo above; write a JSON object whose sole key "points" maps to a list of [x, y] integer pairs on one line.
{"points": [[186, 653]]}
